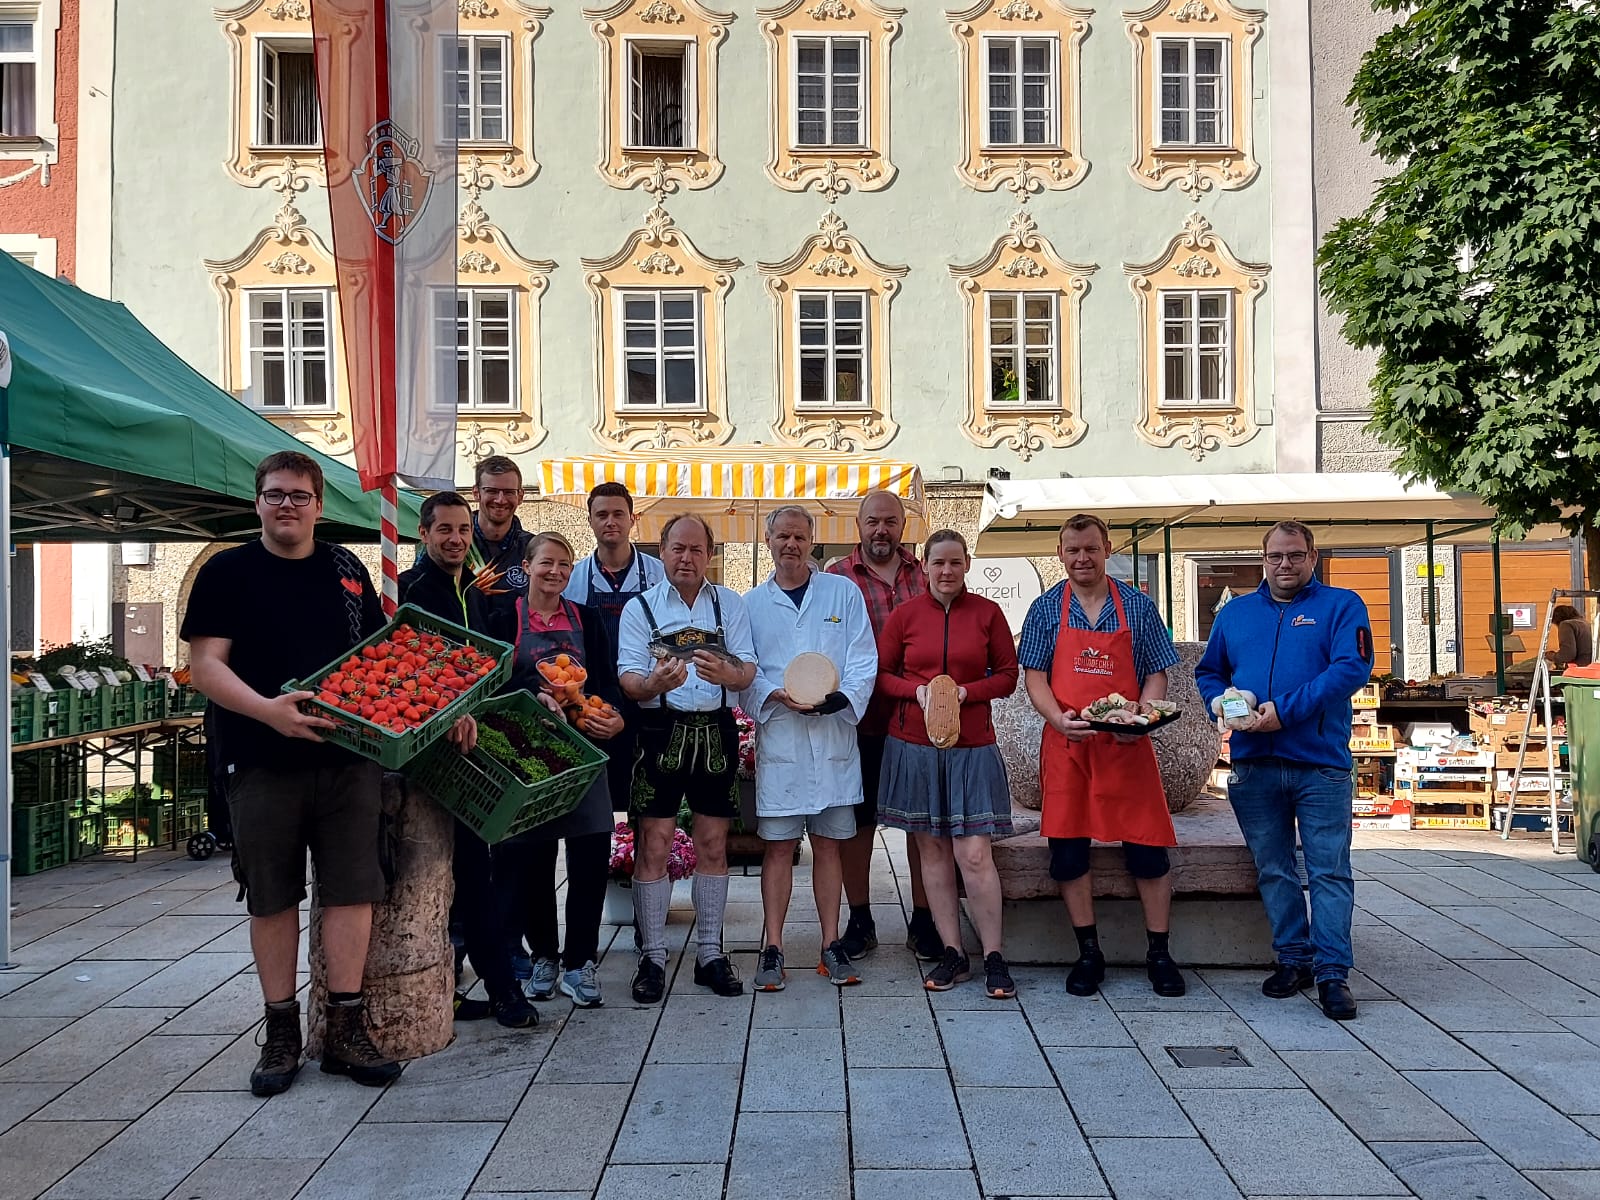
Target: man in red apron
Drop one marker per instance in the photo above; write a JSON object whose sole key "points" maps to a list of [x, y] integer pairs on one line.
{"points": [[1084, 639]]}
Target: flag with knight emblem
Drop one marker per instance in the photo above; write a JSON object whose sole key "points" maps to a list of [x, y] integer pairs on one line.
{"points": [[386, 84]]}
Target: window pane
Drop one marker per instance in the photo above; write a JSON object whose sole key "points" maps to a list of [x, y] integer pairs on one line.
{"points": [[268, 381], [846, 131], [1175, 305], [847, 381], [1035, 132], [813, 379], [813, 333], [1177, 371], [16, 38], [1002, 332], [846, 96], [1213, 306], [680, 382], [1003, 306], [1038, 335], [1177, 333], [660, 100], [1002, 127], [314, 383], [677, 308], [847, 58], [1002, 92], [297, 99], [496, 381], [1037, 308], [1205, 127], [1173, 57], [812, 129], [1035, 56], [490, 56], [1004, 387], [678, 337], [1207, 58], [1001, 55], [847, 308], [17, 100], [639, 308], [1039, 387], [641, 380], [812, 93], [811, 55], [1211, 387]]}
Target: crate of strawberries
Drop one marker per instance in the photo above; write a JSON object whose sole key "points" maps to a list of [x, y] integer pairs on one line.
{"points": [[402, 689], [529, 767]]}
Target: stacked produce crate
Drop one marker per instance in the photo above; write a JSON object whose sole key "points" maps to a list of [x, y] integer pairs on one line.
{"points": [[1372, 746], [1446, 790]]}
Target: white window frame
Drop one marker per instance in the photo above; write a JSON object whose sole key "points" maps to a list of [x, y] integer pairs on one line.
{"points": [[291, 376], [1053, 142], [472, 400], [449, 72], [632, 49], [45, 17], [36, 252], [863, 108], [695, 353], [1022, 295], [260, 45], [1224, 93], [831, 350], [1191, 346]]}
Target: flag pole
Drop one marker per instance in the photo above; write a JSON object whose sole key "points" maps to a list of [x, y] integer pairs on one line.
{"points": [[389, 540]]}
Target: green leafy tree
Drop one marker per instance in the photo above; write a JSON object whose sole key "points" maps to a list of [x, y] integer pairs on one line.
{"points": [[1475, 271]]}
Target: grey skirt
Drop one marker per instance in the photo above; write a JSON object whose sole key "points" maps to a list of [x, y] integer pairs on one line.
{"points": [[960, 792]]}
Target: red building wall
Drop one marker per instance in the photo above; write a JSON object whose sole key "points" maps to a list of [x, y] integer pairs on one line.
{"points": [[52, 212]]}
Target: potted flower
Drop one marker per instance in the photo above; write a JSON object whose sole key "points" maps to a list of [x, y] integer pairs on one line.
{"points": [[619, 890]]}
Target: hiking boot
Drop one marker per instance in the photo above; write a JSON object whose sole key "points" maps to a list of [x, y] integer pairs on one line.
{"points": [[280, 1051], [860, 937], [1165, 978], [997, 981], [649, 982], [512, 1009], [953, 968], [1286, 981], [1337, 1002], [922, 937], [835, 966], [719, 975], [542, 978], [582, 986], [347, 1048], [468, 1009], [1087, 974], [770, 975]]}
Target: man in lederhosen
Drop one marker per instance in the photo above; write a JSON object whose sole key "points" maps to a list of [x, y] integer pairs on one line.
{"points": [[615, 573], [684, 652]]}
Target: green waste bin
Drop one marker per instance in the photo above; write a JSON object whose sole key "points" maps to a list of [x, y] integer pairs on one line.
{"points": [[1583, 749]]}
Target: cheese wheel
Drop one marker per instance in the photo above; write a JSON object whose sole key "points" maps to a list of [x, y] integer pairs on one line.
{"points": [[944, 712], [809, 678]]}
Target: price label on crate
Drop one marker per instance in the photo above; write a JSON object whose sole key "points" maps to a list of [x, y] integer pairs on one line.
{"points": [[109, 676], [73, 681], [39, 681], [142, 674], [88, 681]]}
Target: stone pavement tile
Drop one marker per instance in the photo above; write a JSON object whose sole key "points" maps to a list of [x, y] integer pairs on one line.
{"points": [[1027, 1143], [228, 1071], [693, 1029], [215, 902], [307, 1121], [1460, 1002], [1499, 924], [232, 1007], [246, 1179], [882, 1031], [481, 1076], [1375, 1100], [1115, 1093], [679, 1113], [901, 1118], [1510, 1120], [62, 993], [1285, 1142], [1059, 1019], [1404, 856], [237, 941], [1564, 918], [790, 1154], [992, 1049], [1376, 897], [1127, 989], [808, 1002], [37, 1153], [600, 1046], [793, 1071], [1553, 1066], [1523, 874], [914, 1185], [891, 971], [1428, 888], [1293, 1024], [673, 1181], [1163, 1169], [23, 1033], [1567, 1185], [153, 1155], [1479, 884], [1154, 1032], [582, 1120], [185, 982], [130, 1084], [1455, 1171], [31, 926], [1580, 965], [84, 1046], [420, 1161], [10, 981], [1541, 990], [168, 937], [1449, 938], [19, 1101]]}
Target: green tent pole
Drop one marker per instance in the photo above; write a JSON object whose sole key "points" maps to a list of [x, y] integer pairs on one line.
{"points": [[1166, 587], [1433, 610], [1135, 549], [1499, 630]]}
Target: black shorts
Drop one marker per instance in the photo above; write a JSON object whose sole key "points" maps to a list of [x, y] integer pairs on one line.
{"points": [[1069, 859], [871, 747], [686, 758], [279, 815]]}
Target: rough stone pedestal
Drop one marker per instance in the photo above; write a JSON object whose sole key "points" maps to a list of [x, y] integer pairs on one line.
{"points": [[410, 976]]}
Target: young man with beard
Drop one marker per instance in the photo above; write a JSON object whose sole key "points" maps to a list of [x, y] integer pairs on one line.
{"points": [[499, 544]]}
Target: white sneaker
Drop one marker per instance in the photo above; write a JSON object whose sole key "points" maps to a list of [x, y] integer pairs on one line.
{"points": [[583, 985]]}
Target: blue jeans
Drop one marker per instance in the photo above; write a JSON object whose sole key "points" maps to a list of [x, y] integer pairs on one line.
{"points": [[1270, 796]]}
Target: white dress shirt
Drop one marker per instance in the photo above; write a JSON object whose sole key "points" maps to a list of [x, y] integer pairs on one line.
{"points": [[672, 614]]}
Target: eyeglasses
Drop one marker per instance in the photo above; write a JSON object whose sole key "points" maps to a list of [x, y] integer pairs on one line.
{"points": [[499, 493], [277, 498], [1294, 558]]}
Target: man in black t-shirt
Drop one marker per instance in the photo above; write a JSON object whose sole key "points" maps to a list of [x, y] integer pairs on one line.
{"points": [[499, 543], [259, 615]]}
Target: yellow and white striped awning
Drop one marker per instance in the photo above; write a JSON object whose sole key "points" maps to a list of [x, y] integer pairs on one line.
{"points": [[735, 493]]}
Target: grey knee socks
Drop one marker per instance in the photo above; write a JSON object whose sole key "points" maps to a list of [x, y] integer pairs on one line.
{"points": [[650, 903], [710, 898]]}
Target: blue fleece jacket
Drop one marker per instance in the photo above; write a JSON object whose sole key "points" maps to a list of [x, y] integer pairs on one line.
{"points": [[1308, 656]]}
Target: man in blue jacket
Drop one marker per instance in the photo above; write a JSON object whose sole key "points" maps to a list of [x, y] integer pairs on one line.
{"points": [[1303, 649]]}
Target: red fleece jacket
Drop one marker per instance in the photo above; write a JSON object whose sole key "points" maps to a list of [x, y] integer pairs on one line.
{"points": [[971, 643]]}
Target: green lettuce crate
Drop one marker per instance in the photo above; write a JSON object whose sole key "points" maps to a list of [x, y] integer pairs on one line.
{"points": [[488, 797], [39, 837], [385, 746]]}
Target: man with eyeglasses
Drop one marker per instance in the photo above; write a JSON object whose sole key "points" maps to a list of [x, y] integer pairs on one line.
{"points": [[1302, 649], [275, 609], [499, 544]]}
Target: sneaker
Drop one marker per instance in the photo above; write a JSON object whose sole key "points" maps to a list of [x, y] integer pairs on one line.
{"points": [[1337, 1002], [649, 982], [468, 1009], [521, 964], [720, 976], [347, 1048], [542, 977], [997, 981], [1087, 974], [922, 938], [1287, 980], [953, 968], [280, 1044], [860, 937], [835, 966], [1165, 978], [770, 975], [582, 986], [513, 1010]]}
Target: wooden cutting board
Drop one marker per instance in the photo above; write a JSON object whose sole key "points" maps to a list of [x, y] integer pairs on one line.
{"points": [[809, 678], [944, 712]]}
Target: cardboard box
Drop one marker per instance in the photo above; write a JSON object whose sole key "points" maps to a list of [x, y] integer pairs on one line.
{"points": [[1419, 821], [1453, 762], [1397, 821], [1532, 781], [1468, 688], [1372, 739], [1437, 734], [1369, 697]]}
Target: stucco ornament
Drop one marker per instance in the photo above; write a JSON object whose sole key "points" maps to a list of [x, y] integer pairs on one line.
{"points": [[660, 12]]}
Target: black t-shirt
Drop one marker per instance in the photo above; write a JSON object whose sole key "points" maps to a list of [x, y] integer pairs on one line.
{"points": [[797, 595], [286, 618]]}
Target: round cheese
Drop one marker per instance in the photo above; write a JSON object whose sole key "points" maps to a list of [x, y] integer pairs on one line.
{"points": [[809, 678]]}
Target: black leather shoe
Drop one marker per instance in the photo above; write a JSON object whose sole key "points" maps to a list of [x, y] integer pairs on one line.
{"points": [[1337, 1002], [719, 976], [1286, 981], [1165, 978], [649, 982], [1087, 974]]}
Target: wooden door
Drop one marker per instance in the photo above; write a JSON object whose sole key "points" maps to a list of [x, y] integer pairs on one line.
{"points": [[1526, 577], [1368, 575]]}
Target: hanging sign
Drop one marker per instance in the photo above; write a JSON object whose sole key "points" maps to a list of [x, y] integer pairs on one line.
{"points": [[1012, 583]]}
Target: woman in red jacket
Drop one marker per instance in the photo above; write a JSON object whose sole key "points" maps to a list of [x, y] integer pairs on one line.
{"points": [[951, 801]]}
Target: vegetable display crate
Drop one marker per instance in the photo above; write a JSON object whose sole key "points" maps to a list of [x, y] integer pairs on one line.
{"points": [[184, 701], [85, 835], [48, 775], [488, 797], [85, 712], [151, 828], [119, 705], [190, 772], [39, 837], [389, 747], [36, 715], [151, 700]]}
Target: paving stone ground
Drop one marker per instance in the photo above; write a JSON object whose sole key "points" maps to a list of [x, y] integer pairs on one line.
{"points": [[127, 1037]]}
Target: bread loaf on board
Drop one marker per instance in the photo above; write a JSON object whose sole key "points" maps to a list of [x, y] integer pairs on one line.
{"points": [[944, 712]]}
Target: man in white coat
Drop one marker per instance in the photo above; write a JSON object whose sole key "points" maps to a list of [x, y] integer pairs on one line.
{"points": [[808, 769]]}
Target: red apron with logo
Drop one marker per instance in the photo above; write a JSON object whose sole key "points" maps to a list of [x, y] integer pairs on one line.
{"points": [[1099, 788]]}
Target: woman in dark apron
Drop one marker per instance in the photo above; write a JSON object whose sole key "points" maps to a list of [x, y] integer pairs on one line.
{"points": [[525, 866]]}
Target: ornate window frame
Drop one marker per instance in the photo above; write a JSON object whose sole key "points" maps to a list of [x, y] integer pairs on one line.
{"points": [[831, 170], [513, 161], [1030, 264], [655, 256], [245, 26], [616, 27], [1194, 168], [832, 260], [1023, 170], [1197, 259]]}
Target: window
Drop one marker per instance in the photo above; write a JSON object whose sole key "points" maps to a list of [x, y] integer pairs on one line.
{"points": [[833, 346], [486, 374], [286, 105], [1023, 341], [829, 106], [479, 91], [660, 95], [19, 66], [287, 352], [661, 350], [1196, 345], [1020, 91], [1193, 102]]}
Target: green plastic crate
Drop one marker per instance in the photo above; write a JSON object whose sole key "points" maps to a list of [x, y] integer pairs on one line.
{"points": [[160, 822], [85, 835], [85, 712], [190, 773], [487, 797], [150, 696], [184, 701], [38, 837], [39, 716], [393, 750], [119, 705]]}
